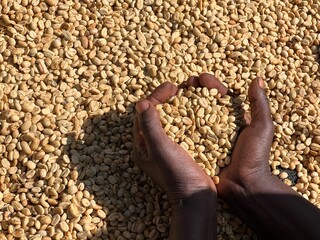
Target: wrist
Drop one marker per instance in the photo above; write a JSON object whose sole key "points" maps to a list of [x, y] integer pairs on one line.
{"points": [[246, 184], [199, 192], [205, 197], [194, 217]]}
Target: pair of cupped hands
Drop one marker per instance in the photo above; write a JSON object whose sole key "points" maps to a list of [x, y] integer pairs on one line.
{"points": [[173, 169]]}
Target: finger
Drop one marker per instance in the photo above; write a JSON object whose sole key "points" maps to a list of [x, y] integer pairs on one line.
{"points": [[183, 85], [210, 81], [150, 125], [137, 135], [162, 93], [193, 81], [260, 111]]}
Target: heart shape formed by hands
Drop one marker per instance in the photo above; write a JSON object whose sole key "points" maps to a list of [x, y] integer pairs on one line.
{"points": [[173, 169], [204, 122], [164, 161]]}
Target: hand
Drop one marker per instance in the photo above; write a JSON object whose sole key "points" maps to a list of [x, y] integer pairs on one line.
{"points": [[270, 207], [249, 161], [164, 161]]}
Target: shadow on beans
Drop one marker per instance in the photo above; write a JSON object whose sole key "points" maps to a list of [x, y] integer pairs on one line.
{"points": [[110, 186]]}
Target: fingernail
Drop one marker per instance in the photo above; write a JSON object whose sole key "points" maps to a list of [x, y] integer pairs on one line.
{"points": [[261, 82], [142, 106]]}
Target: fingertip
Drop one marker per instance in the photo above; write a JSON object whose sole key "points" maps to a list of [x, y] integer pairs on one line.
{"points": [[207, 75], [260, 82], [162, 93], [193, 81], [210, 81], [260, 110], [142, 106], [183, 85], [170, 87], [255, 88]]}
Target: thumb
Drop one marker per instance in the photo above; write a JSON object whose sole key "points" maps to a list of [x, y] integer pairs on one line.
{"points": [[150, 124], [260, 110]]}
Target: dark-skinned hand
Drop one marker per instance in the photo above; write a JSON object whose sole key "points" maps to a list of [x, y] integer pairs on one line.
{"points": [[191, 192], [250, 155], [163, 160]]}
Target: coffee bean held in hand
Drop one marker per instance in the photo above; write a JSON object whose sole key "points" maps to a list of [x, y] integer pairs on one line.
{"points": [[205, 124]]}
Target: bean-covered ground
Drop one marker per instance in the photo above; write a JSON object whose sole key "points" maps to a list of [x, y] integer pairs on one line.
{"points": [[71, 71]]}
